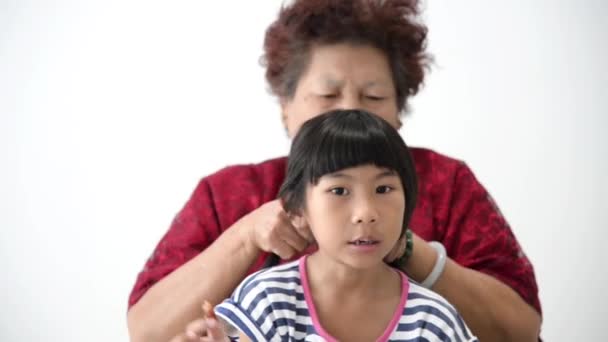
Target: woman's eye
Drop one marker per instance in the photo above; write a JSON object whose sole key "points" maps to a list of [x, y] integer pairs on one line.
{"points": [[383, 189], [375, 98], [329, 96], [339, 191]]}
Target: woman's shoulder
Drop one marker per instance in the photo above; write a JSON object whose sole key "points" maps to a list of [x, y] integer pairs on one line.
{"points": [[244, 187], [268, 170], [429, 161], [269, 165], [439, 175]]}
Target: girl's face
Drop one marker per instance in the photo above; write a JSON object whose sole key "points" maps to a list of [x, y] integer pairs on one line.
{"points": [[342, 76], [356, 214]]}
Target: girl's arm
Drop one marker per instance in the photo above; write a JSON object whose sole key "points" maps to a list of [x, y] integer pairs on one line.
{"points": [[243, 338]]}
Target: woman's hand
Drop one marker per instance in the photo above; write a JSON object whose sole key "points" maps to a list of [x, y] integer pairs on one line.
{"points": [[397, 250], [271, 229], [207, 328]]}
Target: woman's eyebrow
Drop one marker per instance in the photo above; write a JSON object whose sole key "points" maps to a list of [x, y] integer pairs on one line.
{"points": [[372, 84]]}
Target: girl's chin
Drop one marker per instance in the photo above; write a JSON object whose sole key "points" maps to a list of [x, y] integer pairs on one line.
{"points": [[355, 262]]}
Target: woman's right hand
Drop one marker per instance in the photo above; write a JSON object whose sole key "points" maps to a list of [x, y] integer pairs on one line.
{"points": [[269, 228], [204, 329]]}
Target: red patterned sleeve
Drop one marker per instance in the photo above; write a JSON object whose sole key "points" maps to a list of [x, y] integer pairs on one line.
{"points": [[478, 237], [192, 230]]}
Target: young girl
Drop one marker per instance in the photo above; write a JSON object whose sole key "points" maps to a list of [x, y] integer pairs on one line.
{"points": [[350, 178]]}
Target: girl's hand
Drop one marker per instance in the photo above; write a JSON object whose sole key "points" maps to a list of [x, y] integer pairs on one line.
{"points": [[206, 329], [270, 229]]}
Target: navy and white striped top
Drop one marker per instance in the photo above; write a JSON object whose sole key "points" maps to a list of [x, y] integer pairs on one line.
{"points": [[275, 304]]}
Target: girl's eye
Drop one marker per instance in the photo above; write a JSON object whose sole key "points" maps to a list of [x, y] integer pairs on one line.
{"points": [[383, 189], [375, 98], [339, 191]]}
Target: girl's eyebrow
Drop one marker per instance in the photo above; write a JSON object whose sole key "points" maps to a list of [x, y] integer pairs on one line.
{"points": [[382, 174]]}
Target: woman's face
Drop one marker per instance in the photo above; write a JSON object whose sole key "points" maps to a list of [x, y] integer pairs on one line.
{"points": [[342, 76]]}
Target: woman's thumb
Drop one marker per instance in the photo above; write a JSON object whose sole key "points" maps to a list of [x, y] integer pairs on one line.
{"points": [[215, 331]]}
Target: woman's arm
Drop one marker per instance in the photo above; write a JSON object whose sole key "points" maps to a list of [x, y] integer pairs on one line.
{"points": [[169, 305], [493, 311], [487, 277]]}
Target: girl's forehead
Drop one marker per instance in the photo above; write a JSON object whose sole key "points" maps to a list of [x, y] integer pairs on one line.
{"points": [[362, 171]]}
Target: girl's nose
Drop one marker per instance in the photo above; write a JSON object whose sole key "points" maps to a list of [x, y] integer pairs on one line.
{"points": [[365, 212]]}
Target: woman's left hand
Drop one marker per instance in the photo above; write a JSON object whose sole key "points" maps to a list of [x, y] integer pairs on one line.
{"points": [[397, 250]]}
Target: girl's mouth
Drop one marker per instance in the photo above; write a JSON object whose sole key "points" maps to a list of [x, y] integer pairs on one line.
{"points": [[363, 242]]}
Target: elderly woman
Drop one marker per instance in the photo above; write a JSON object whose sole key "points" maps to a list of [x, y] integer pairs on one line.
{"points": [[340, 54]]}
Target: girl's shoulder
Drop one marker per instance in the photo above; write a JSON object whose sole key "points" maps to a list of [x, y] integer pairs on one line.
{"points": [[262, 304], [425, 309], [419, 295], [286, 276]]}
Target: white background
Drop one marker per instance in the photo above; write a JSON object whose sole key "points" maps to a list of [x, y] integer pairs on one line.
{"points": [[110, 112]]}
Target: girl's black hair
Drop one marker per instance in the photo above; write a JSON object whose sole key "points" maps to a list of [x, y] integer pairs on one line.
{"points": [[340, 139]]}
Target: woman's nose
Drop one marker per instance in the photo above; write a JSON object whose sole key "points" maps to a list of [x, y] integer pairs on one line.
{"points": [[350, 101]]}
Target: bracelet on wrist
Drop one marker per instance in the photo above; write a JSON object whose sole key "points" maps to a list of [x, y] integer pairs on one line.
{"points": [[409, 249], [437, 270]]}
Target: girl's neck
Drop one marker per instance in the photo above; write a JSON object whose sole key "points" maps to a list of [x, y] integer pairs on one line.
{"points": [[347, 280]]}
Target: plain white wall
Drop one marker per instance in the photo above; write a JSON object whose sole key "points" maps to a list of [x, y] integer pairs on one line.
{"points": [[110, 112]]}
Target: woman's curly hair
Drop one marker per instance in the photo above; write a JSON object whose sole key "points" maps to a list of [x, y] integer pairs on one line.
{"points": [[389, 25]]}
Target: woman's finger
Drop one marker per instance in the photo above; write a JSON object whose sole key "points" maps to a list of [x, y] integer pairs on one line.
{"points": [[397, 250], [215, 333], [281, 248], [181, 338], [290, 235], [302, 228], [196, 328]]}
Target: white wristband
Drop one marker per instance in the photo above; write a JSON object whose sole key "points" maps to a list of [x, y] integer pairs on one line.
{"points": [[439, 265]]}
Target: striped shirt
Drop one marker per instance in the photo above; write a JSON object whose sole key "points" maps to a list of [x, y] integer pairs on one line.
{"points": [[275, 304]]}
